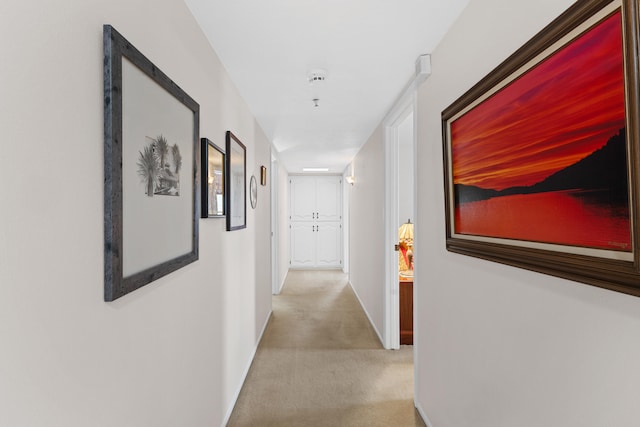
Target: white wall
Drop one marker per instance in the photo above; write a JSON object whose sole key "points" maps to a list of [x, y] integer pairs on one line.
{"points": [[501, 346], [172, 353], [366, 221], [261, 232]]}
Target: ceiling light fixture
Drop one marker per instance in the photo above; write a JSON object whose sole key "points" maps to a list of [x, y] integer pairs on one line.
{"points": [[316, 76], [315, 169]]}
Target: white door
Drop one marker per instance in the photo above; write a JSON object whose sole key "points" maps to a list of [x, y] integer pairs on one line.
{"points": [[329, 198], [303, 246], [328, 244], [316, 221], [303, 198]]}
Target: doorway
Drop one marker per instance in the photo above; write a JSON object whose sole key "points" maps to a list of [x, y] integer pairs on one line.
{"points": [[400, 198], [275, 229]]}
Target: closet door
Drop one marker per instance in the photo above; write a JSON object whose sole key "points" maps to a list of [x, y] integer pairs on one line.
{"points": [[329, 198], [302, 198], [329, 221], [303, 244], [316, 221], [328, 244]]}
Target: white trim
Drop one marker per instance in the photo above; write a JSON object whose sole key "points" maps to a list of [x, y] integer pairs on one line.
{"points": [[246, 372], [424, 416], [391, 320], [416, 252], [275, 229], [373, 325], [404, 105], [346, 218], [282, 283]]}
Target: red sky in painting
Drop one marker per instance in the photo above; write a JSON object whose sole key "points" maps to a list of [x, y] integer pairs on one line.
{"points": [[554, 115]]}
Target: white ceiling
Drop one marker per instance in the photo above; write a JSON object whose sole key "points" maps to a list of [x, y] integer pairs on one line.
{"points": [[367, 47]]}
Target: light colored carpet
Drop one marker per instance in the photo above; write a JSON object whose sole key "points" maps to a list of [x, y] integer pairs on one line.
{"points": [[320, 363]]}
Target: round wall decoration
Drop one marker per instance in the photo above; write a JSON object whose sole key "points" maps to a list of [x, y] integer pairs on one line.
{"points": [[253, 191]]}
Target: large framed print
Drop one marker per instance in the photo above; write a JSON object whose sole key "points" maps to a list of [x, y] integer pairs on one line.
{"points": [[151, 192], [212, 186], [541, 156], [236, 183]]}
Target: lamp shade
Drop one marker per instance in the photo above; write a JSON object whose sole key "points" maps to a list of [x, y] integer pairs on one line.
{"points": [[405, 232]]}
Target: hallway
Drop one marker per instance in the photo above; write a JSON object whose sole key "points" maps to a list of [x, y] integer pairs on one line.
{"points": [[320, 363]]}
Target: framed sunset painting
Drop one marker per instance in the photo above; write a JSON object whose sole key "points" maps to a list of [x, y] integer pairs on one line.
{"points": [[540, 156]]}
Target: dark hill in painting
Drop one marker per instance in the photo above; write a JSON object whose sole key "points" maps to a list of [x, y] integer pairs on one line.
{"points": [[604, 169], [471, 193]]}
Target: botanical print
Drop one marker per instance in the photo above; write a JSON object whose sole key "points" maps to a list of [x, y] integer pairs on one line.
{"points": [[544, 159], [159, 167]]}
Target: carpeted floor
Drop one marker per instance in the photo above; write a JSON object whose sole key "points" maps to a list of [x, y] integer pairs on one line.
{"points": [[320, 363]]}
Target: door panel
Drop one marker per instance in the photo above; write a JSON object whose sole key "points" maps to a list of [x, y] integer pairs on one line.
{"points": [[328, 243], [303, 198], [329, 198], [303, 247], [316, 218]]}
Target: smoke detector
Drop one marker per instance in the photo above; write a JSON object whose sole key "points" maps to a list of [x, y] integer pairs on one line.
{"points": [[317, 76]]}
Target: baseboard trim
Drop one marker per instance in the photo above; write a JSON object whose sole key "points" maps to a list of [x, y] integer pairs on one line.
{"points": [[281, 285], [246, 372], [366, 313], [284, 279], [423, 415]]}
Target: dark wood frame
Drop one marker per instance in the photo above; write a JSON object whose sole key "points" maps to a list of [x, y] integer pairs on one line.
{"points": [[116, 47], [618, 275], [205, 146], [229, 189]]}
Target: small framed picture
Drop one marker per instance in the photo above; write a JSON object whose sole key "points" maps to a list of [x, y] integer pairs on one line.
{"points": [[236, 183], [212, 182], [253, 191]]}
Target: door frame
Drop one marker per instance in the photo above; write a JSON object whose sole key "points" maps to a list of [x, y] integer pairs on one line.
{"points": [[346, 218], [406, 103], [403, 108], [275, 229]]}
